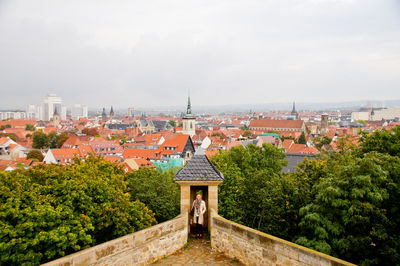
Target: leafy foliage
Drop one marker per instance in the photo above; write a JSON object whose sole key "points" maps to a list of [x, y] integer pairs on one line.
{"points": [[30, 127], [121, 137], [346, 204], [90, 131], [255, 192], [247, 133], [52, 140], [51, 210], [383, 141], [172, 123], [157, 190], [346, 217], [302, 139], [36, 155], [40, 140]]}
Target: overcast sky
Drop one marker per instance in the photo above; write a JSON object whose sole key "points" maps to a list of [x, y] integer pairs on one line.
{"points": [[149, 52]]}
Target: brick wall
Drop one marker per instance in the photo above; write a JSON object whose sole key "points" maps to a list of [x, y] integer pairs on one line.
{"points": [[140, 248], [252, 247]]}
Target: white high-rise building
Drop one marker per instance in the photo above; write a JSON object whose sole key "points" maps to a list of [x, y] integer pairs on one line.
{"points": [[31, 112], [50, 104], [78, 111], [131, 112]]}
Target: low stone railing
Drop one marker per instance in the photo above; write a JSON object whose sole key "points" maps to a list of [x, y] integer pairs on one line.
{"points": [[140, 248], [253, 247]]}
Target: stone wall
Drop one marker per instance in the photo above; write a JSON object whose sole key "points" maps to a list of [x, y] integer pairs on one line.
{"points": [[140, 248], [252, 247]]}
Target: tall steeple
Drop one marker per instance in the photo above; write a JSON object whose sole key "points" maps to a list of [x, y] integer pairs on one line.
{"points": [[112, 112], [188, 120], [103, 114], [294, 112], [189, 107]]}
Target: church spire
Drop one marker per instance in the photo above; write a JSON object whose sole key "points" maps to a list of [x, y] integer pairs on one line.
{"points": [[294, 112], [189, 107]]}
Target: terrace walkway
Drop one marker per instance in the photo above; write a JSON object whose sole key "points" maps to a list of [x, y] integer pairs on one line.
{"points": [[198, 252]]}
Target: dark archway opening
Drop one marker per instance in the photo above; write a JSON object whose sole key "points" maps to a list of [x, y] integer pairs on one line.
{"points": [[193, 191]]}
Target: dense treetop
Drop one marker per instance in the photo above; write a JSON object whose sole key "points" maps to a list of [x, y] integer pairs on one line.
{"points": [[50, 211], [345, 204]]}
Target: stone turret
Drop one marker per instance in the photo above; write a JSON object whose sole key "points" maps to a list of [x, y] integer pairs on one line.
{"points": [[199, 175]]}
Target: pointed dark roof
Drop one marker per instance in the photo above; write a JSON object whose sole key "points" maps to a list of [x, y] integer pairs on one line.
{"points": [[189, 107], [199, 168], [294, 108]]}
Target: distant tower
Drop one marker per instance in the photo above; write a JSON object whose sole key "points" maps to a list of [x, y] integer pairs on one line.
{"points": [[372, 115], [103, 114], [112, 112], [189, 121], [56, 118], [324, 124], [131, 112], [294, 113]]}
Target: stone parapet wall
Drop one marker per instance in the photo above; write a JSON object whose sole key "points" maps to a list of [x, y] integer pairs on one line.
{"points": [[253, 247], [140, 248]]}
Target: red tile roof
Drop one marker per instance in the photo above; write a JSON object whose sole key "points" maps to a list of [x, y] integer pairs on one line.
{"points": [[17, 123], [143, 163], [178, 143], [139, 153], [276, 123]]}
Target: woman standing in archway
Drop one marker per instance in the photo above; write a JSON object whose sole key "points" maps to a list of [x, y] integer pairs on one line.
{"points": [[198, 210]]}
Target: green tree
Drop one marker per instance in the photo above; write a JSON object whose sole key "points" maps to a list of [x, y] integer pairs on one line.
{"points": [[347, 218], [62, 138], [50, 211], [157, 190], [172, 123], [302, 139], [35, 155], [255, 192], [52, 140], [383, 141], [244, 127], [121, 137], [90, 131], [30, 127], [8, 126], [319, 142], [11, 136], [40, 140], [247, 133]]}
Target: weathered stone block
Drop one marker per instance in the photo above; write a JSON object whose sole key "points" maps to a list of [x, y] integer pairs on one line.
{"points": [[308, 258], [84, 258], [237, 230], [266, 241], [104, 251], [269, 255], [221, 224], [253, 237]]}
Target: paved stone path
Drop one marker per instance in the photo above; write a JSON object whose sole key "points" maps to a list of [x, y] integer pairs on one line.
{"points": [[199, 252]]}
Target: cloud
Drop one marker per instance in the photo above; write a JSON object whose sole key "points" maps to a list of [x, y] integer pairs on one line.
{"points": [[148, 53]]}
